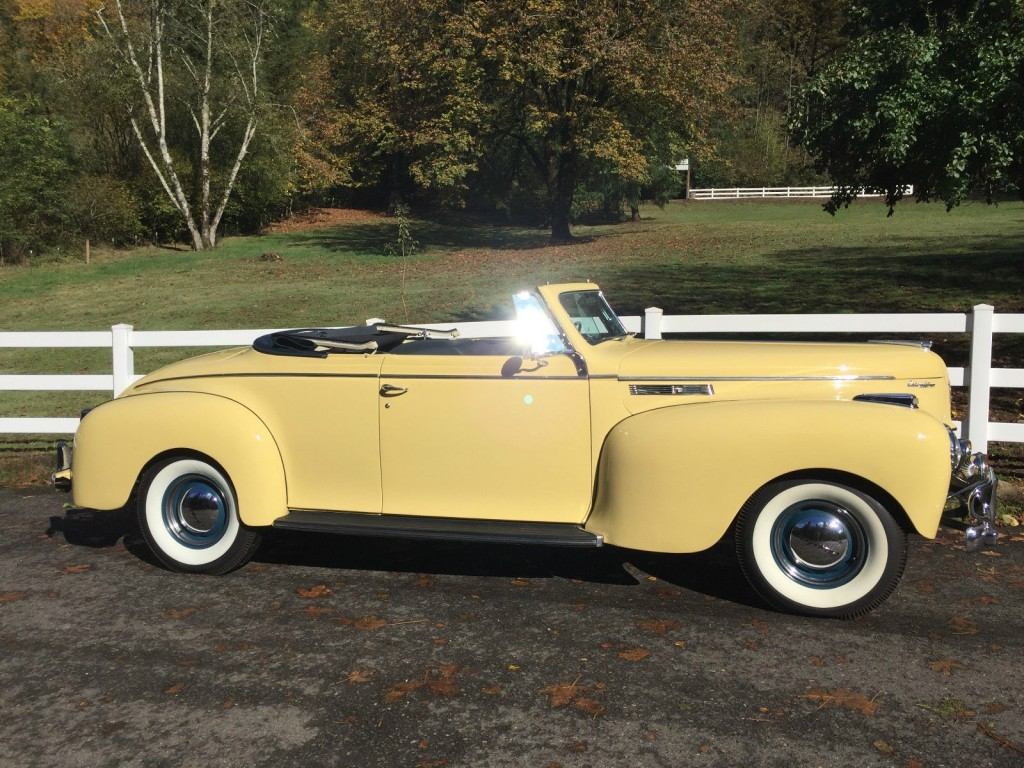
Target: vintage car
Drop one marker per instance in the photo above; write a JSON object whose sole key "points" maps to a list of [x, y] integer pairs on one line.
{"points": [[820, 459]]}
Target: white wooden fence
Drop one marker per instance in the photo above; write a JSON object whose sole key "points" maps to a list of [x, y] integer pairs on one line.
{"points": [[739, 193], [982, 323]]}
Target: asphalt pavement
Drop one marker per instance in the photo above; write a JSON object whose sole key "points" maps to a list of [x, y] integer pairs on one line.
{"points": [[341, 651]]}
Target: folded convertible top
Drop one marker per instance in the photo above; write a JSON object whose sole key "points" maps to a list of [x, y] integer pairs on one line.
{"points": [[320, 342]]}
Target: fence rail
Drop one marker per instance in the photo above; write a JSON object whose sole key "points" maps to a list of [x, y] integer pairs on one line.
{"points": [[740, 193], [982, 323]]}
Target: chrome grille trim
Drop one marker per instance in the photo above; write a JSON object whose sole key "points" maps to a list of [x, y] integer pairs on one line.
{"points": [[671, 389]]}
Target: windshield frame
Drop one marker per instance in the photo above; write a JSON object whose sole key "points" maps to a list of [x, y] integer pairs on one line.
{"points": [[615, 328]]}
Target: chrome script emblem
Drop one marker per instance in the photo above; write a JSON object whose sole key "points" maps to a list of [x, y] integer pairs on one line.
{"points": [[921, 384]]}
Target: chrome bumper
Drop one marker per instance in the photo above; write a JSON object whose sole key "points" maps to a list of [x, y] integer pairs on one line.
{"points": [[61, 479], [974, 484]]}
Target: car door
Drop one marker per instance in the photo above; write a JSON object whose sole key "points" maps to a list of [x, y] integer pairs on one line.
{"points": [[485, 436]]}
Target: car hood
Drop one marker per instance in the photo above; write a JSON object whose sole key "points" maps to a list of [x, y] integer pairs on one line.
{"points": [[779, 360]]}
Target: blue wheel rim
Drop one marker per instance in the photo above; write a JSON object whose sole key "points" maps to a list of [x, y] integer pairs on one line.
{"points": [[819, 544], [195, 511]]}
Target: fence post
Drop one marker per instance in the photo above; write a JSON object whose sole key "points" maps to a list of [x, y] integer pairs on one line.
{"points": [[652, 323], [979, 377], [123, 356]]}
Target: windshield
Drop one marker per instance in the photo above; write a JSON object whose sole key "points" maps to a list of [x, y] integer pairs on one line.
{"points": [[592, 316]]}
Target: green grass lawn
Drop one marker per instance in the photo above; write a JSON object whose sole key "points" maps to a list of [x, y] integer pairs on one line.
{"points": [[696, 257]]}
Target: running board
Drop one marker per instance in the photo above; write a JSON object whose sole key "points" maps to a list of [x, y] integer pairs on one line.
{"points": [[443, 528]]}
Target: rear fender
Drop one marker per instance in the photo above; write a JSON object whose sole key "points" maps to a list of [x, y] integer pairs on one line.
{"points": [[674, 479], [117, 440]]}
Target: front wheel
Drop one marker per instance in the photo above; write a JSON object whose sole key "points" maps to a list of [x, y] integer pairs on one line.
{"points": [[820, 548], [189, 517]]}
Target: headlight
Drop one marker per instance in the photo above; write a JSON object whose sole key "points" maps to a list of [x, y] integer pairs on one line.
{"points": [[959, 450]]}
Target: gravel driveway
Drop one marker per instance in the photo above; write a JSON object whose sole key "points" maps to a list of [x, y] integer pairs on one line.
{"points": [[358, 652]]}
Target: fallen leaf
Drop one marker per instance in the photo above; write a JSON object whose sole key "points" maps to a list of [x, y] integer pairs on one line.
{"points": [[590, 706], [987, 600], [560, 694], [441, 682], [634, 654], [11, 597], [311, 593], [760, 625], [883, 747], [370, 623], [401, 690], [175, 689], [520, 582], [424, 744], [1000, 739], [228, 703], [658, 626], [82, 568], [357, 676], [962, 625], [817, 661], [314, 611], [844, 698], [912, 763], [178, 613], [424, 581], [945, 666], [491, 690], [995, 708]]}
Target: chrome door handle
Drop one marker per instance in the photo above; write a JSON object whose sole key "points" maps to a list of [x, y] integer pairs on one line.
{"points": [[390, 390]]}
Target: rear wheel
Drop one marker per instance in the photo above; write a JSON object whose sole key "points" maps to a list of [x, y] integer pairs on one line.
{"points": [[820, 548], [189, 517]]}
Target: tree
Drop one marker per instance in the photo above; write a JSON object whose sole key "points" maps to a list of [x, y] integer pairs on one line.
{"points": [[35, 164], [929, 93], [604, 87], [203, 57], [392, 98]]}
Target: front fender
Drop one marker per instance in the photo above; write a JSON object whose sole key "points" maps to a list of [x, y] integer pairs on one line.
{"points": [[116, 440], [674, 479]]}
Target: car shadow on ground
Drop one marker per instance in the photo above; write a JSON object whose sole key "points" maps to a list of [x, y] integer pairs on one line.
{"points": [[101, 529], [713, 573]]}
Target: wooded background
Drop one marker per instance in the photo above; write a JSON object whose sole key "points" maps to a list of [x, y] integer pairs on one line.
{"points": [[130, 121]]}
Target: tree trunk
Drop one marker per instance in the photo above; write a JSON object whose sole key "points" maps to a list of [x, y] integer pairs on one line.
{"points": [[562, 186], [88, 251], [634, 212]]}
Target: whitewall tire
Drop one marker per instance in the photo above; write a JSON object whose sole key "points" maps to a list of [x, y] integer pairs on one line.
{"points": [[188, 514], [820, 548]]}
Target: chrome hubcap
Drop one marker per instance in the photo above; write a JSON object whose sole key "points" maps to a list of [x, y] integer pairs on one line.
{"points": [[819, 544], [195, 512]]}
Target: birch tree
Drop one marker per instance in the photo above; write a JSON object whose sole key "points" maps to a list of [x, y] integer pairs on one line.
{"points": [[195, 66]]}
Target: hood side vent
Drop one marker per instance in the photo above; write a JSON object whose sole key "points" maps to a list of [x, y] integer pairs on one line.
{"points": [[671, 389], [895, 398]]}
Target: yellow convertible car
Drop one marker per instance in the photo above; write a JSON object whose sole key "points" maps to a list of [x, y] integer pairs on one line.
{"points": [[820, 459]]}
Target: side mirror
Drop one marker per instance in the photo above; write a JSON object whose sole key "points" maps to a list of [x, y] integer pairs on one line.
{"points": [[534, 327]]}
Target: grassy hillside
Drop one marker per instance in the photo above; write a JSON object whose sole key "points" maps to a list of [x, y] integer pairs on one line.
{"points": [[778, 256]]}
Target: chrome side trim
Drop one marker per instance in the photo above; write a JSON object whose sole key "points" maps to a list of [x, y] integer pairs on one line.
{"points": [[671, 389], [478, 377], [924, 344], [756, 378]]}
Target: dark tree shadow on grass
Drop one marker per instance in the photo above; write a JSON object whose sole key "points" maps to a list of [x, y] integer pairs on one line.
{"points": [[375, 238]]}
